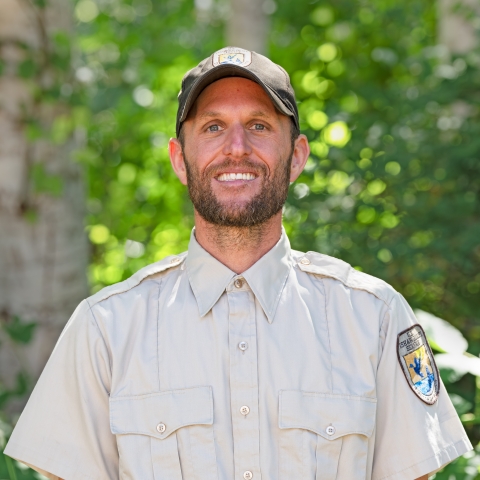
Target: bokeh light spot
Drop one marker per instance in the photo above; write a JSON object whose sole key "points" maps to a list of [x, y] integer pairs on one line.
{"points": [[385, 255], [327, 52], [322, 16], [86, 11], [337, 134], [143, 96], [127, 173], [317, 119], [376, 187], [99, 234], [393, 168]]}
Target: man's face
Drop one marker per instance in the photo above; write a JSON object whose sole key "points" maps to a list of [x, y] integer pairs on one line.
{"points": [[237, 153]]}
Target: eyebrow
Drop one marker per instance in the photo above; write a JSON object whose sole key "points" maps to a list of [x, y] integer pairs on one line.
{"points": [[209, 114]]}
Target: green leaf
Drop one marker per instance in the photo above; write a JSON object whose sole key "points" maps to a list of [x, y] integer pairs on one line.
{"points": [[40, 3], [19, 331], [45, 182], [33, 131], [461, 405], [22, 386], [27, 69]]}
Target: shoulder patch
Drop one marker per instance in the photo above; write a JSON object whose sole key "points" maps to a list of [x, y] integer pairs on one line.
{"points": [[320, 264], [157, 267], [417, 363]]}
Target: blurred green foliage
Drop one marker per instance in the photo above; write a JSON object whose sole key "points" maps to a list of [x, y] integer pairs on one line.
{"points": [[392, 185]]}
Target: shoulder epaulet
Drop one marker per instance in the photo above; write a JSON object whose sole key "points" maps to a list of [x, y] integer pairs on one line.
{"points": [[137, 278], [320, 264]]}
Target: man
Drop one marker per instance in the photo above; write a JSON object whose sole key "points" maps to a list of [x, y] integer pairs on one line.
{"points": [[240, 359]]}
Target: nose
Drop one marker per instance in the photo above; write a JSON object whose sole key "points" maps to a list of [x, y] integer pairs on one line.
{"points": [[236, 142]]}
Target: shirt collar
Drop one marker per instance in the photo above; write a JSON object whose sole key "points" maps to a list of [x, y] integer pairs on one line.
{"points": [[209, 278]]}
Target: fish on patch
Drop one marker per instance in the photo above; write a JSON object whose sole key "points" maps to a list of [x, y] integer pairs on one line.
{"points": [[418, 364]]}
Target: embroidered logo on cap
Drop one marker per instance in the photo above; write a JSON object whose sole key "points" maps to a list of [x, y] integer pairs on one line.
{"points": [[233, 56], [418, 365]]}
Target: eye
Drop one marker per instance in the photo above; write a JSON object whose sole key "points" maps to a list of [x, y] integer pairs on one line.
{"points": [[213, 128], [259, 127]]}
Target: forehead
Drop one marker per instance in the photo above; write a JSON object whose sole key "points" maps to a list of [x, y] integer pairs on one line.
{"points": [[233, 92]]}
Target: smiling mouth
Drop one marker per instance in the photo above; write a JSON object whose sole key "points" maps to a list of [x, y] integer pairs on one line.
{"points": [[231, 177]]}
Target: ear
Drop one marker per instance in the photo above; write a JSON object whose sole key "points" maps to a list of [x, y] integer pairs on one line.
{"points": [[177, 159], [301, 152]]}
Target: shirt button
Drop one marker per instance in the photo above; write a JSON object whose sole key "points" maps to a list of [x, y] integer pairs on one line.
{"points": [[238, 283], [330, 430], [161, 427], [305, 261], [248, 475], [243, 346], [244, 410]]}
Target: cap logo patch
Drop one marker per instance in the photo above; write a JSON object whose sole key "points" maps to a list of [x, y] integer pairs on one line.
{"points": [[418, 365], [232, 56]]}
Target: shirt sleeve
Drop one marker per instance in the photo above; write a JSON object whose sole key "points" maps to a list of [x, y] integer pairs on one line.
{"points": [[64, 430], [412, 438]]}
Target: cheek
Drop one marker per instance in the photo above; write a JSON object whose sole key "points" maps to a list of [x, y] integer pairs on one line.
{"points": [[201, 156]]}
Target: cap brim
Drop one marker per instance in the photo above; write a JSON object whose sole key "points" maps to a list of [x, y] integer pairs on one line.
{"points": [[223, 71]]}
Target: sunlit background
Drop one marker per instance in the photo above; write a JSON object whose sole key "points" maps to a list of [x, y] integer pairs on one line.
{"points": [[388, 93]]}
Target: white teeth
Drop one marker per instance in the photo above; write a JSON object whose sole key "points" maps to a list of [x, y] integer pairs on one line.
{"points": [[230, 177]]}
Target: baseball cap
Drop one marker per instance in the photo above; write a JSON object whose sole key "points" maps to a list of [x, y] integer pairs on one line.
{"points": [[237, 62]]}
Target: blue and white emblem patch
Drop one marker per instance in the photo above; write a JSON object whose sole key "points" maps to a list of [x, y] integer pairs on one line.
{"points": [[418, 365], [232, 56]]}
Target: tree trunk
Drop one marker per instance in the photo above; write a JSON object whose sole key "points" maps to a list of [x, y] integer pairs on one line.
{"points": [[455, 31], [43, 247], [247, 24]]}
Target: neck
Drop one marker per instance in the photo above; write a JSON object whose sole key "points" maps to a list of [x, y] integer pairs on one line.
{"points": [[238, 248]]}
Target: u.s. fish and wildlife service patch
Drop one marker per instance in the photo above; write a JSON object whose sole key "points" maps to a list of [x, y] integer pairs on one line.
{"points": [[418, 365], [232, 56]]}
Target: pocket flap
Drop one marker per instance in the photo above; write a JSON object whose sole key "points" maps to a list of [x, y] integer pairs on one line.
{"points": [[318, 412], [160, 414]]}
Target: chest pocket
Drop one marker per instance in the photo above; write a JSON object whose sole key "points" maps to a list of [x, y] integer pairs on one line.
{"points": [[166, 435], [325, 436]]}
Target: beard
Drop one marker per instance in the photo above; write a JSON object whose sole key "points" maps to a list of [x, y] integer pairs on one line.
{"points": [[263, 206]]}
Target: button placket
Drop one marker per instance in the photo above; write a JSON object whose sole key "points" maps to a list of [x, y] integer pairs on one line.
{"points": [[244, 382]]}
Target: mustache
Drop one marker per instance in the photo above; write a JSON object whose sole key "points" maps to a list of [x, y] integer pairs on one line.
{"points": [[246, 164]]}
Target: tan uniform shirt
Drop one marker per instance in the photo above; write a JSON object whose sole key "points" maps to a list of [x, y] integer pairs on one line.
{"points": [[189, 371]]}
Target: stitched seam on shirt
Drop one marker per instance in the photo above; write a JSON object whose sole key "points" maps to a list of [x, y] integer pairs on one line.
{"points": [[158, 332], [426, 459], [102, 337], [347, 283], [179, 391], [168, 269], [41, 456], [280, 291], [389, 311], [328, 333], [335, 395]]}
